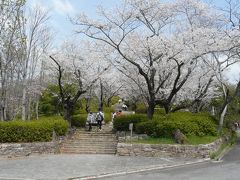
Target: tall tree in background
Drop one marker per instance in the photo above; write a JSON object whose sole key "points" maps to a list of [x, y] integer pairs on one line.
{"points": [[37, 34], [24, 39], [11, 17]]}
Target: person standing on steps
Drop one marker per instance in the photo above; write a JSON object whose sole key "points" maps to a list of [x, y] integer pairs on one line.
{"points": [[100, 118], [90, 120]]}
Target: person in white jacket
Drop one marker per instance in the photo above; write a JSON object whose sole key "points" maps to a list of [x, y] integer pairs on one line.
{"points": [[90, 120]]}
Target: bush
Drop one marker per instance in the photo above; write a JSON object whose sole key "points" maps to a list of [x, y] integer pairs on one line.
{"points": [[121, 123], [141, 108], [79, 120], [107, 117], [159, 111], [199, 124], [147, 127], [32, 131]]}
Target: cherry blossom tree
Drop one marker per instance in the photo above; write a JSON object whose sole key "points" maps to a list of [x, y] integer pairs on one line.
{"points": [[74, 70], [158, 45]]}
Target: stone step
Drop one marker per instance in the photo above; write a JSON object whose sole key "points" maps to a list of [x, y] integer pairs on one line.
{"points": [[87, 147], [99, 137], [83, 134], [94, 132], [88, 144], [88, 152], [93, 135], [91, 138]]}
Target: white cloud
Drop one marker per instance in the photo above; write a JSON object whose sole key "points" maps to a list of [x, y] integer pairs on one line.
{"points": [[63, 7]]}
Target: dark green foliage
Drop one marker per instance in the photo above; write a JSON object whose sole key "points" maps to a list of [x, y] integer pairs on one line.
{"points": [[194, 123], [49, 101], [122, 123], [159, 111], [79, 120], [32, 131], [107, 117], [147, 127], [141, 108], [200, 124]]}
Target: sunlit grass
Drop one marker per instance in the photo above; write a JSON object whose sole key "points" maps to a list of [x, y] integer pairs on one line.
{"points": [[195, 140], [151, 140], [192, 140]]}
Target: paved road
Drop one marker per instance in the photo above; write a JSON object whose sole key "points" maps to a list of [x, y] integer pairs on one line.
{"points": [[68, 166], [205, 171], [227, 169]]}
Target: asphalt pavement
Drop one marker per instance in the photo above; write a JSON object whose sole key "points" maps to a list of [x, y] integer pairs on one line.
{"points": [[78, 166]]}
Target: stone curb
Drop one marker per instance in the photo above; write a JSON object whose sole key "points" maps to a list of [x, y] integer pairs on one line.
{"points": [[145, 169]]}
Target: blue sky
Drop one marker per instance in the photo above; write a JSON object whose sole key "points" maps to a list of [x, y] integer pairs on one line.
{"points": [[60, 10]]}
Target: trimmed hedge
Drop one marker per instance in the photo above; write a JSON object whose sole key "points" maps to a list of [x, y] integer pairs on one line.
{"points": [[189, 123], [79, 120], [32, 131], [121, 123]]}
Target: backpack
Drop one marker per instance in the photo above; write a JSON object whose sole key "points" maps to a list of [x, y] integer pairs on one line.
{"points": [[99, 117]]}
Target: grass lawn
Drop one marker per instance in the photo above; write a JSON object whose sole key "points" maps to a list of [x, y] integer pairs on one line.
{"points": [[193, 140], [151, 140]]}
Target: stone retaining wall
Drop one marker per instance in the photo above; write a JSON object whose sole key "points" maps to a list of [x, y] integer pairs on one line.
{"points": [[196, 151], [26, 149]]}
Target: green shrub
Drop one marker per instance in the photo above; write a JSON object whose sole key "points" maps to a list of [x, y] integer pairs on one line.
{"points": [[199, 124], [141, 108], [79, 120], [107, 117], [122, 123], [159, 111], [147, 127], [32, 131]]}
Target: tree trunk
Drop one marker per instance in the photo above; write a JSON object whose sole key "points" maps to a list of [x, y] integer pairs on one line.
{"points": [[36, 109], [167, 108], [2, 113], [68, 114], [223, 113], [150, 110], [24, 103], [101, 96], [29, 109]]}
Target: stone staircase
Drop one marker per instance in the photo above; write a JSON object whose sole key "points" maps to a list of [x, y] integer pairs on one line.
{"points": [[93, 142]]}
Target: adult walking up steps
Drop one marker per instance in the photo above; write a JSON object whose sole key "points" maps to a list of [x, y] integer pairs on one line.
{"points": [[90, 142]]}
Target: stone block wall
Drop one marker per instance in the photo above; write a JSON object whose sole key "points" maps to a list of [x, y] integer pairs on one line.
{"points": [[163, 150], [26, 149]]}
